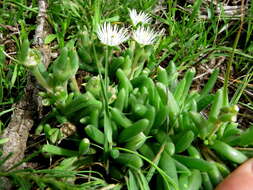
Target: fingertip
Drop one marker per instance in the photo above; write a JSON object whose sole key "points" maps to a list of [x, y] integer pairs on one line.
{"points": [[240, 179]]}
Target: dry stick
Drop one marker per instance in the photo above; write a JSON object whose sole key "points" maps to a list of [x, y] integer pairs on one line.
{"points": [[231, 12], [208, 70], [41, 32], [231, 82], [25, 111]]}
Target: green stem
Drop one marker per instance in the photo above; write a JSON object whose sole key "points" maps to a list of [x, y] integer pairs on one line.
{"points": [[135, 60], [103, 84], [107, 82], [225, 90], [168, 180], [74, 85], [42, 81], [100, 73], [106, 67], [214, 130]]}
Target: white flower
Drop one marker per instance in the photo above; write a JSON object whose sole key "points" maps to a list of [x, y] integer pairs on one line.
{"points": [[145, 36], [139, 18], [112, 35]]}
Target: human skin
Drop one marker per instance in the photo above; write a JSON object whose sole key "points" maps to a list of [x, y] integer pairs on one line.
{"points": [[240, 179]]}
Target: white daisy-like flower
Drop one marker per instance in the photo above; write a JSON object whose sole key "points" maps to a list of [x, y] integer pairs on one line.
{"points": [[140, 17], [145, 36], [112, 35]]}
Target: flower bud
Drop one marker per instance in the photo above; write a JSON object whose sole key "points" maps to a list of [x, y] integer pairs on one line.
{"points": [[84, 146], [33, 58], [228, 117], [46, 102], [94, 86], [42, 94], [65, 66]]}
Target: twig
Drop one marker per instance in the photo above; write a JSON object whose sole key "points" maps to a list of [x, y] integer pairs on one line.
{"points": [[25, 110], [232, 12], [40, 31], [11, 58], [232, 83], [18, 129], [208, 70]]}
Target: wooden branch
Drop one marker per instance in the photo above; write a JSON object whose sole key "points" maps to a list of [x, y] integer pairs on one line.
{"points": [[17, 130], [40, 32], [27, 109]]}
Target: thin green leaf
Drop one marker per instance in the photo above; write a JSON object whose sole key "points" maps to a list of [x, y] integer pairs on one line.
{"points": [[14, 76], [55, 150], [168, 180], [49, 38]]}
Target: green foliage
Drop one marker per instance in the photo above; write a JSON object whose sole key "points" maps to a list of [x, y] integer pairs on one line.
{"points": [[181, 126]]}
